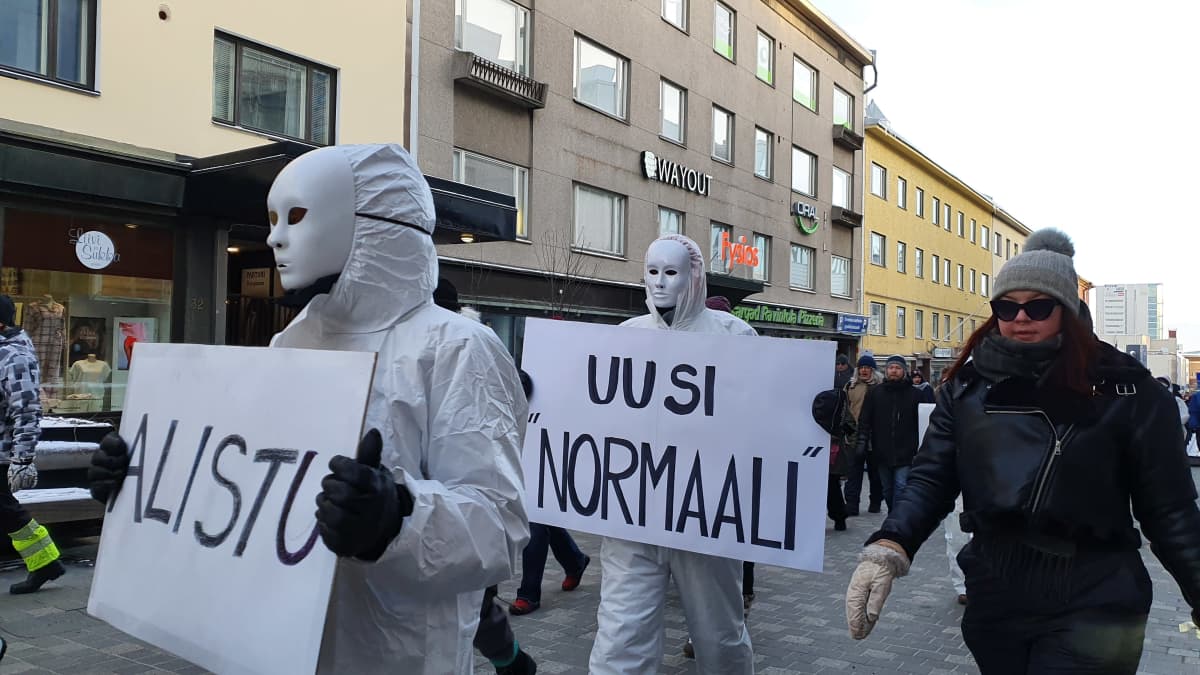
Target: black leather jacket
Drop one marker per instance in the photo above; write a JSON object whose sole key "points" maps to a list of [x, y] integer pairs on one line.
{"points": [[1044, 462]]}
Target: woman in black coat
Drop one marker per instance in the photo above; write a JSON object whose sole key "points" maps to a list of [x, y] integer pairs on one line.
{"points": [[1053, 438]]}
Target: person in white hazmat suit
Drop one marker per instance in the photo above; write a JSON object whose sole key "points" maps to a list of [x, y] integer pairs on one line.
{"points": [[430, 513], [633, 585]]}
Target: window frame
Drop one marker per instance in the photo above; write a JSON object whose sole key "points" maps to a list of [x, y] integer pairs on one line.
{"points": [[879, 260], [849, 191], [946, 213], [936, 324], [974, 281], [812, 268], [919, 324], [959, 274], [919, 263], [947, 267], [520, 178], [937, 210], [974, 231], [682, 219], [623, 226], [91, 48], [901, 257], [685, 5], [902, 192], [763, 243], [622, 79], [523, 63], [770, 60], [716, 263], [849, 123], [663, 85], [999, 239], [962, 225], [901, 321], [881, 182], [814, 80], [877, 327], [937, 269], [239, 45], [920, 195], [770, 145], [731, 129], [833, 259], [812, 172], [732, 56], [984, 286], [985, 237]]}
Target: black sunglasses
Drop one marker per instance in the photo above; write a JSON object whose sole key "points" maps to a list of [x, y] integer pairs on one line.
{"points": [[1036, 310]]}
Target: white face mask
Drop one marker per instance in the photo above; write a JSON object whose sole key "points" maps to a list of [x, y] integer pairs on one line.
{"points": [[311, 207], [668, 272]]}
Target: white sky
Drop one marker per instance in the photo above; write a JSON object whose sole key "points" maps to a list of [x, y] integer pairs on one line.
{"points": [[1069, 113]]}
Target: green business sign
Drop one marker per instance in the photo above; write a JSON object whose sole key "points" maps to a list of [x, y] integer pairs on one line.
{"points": [[780, 315], [805, 217]]}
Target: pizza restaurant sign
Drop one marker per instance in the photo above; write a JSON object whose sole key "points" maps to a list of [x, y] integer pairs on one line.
{"points": [[779, 315], [665, 171]]}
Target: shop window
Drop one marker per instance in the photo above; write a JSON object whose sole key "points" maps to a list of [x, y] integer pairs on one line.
{"points": [[804, 172], [492, 174], [802, 274], [843, 108], [496, 30], [765, 58], [673, 108], [86, 291], [839, 277], [843, 192], [722, 135], [52, 39], [670, 221], [601, 78], [724, 30], [599, 220], [717, 262], [804, 84], [675, 12], [764, 153], [263, 89]]}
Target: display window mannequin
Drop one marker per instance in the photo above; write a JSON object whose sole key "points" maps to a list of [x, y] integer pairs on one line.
{"points": [[45, 320]]}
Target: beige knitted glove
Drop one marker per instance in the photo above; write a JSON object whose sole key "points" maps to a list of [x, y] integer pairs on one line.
{"points": [[879, 565]]}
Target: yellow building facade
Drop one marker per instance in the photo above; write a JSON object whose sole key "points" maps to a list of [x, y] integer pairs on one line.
{"points": [[928, 264]]}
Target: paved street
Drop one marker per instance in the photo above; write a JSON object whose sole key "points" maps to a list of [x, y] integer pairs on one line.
{"points": [[797, 624]]}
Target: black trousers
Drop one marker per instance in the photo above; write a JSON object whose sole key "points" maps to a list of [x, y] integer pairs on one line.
{"points": [[494, 637], [835, 506], [13, 516], [854, 482]]}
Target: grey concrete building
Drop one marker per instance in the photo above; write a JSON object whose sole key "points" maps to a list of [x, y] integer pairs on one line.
{"points": [[737, 123]]}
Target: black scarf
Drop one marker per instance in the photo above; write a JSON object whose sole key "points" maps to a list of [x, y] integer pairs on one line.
{"points": [[998, 358]]}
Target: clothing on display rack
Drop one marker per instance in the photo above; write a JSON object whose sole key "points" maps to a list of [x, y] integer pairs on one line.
{"points": [[44, 323]]}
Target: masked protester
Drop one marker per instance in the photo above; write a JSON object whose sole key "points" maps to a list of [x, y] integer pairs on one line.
{"points": [[633, 586], [430, 514], [1053, 438]]}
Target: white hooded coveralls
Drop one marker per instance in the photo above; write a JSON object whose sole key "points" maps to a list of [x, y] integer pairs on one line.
{"points": [[633, 586], [448, 401]]}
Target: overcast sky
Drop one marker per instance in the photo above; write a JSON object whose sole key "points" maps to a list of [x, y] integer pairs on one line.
{"points": [[1070, 114]]}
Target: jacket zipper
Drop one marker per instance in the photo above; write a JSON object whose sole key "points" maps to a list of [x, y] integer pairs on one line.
{"points": [[1052, 453]]}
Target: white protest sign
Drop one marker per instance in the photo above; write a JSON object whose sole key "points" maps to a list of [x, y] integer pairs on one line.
{"points": [[698, 442], [924, 410], [210, 549]]}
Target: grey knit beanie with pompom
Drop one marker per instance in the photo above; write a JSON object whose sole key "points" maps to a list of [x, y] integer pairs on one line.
{"points": [[1047, 266]]}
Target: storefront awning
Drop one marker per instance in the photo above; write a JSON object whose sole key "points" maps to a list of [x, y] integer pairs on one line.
{"points": [[733, 288]]}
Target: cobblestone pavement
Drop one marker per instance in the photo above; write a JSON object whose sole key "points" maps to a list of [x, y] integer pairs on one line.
{"points": [[797, 623]]}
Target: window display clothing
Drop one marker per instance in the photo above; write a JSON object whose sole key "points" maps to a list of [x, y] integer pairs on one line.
{"points": [[44, 323], [88, 376]]}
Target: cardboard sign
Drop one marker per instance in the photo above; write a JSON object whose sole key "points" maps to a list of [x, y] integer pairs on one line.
{"points": [[924, 410], [210, 549], [698, 442]]}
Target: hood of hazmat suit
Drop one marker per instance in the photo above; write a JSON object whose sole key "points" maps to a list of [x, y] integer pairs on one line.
{"points": [[634, 573], [448, 402]]}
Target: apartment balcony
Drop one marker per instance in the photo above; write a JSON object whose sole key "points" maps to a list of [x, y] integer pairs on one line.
{"points": [[846, 218], [478, 72], [845, 137]]}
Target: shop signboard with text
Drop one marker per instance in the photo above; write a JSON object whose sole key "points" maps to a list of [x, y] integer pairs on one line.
{"points": [[784, 316]]}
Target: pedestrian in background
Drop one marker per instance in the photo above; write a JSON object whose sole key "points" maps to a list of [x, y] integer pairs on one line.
{"points": [[856, 393], [888, 428], [1053, 438], [842, 372], [925, 391]]}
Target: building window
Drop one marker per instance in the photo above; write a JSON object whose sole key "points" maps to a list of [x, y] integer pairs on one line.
{"points": [[946, 216], [804, 84], [901, 193], [934, 321], [959, 276], [974, 231], [599, 220], [496, 30], [672, 103], [936, 261], [919, 263], [901, 257], [878, 181], [1007, 248], [973, 329], [54, 39], [999, 242], [919, 323], [722, 140], [802, 275], [878, 325], [492, 174], [724, 30], [675, 12], [601, 78], [961, 323], [983, 285], [984, 236], [804, 172], [262, 89], [670, 221], [839, 277], [1016, 248], [947, 321], [974, 285], [946, 271], [843, 108], [901, 322], [878, 249], [843, 194], [764, 153], [920, 203], [962, 228], [765, 58], [937, 209], [762, 271], [716, 261]]}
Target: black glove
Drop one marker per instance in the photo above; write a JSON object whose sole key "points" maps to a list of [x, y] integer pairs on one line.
{"points": [[360, 507], [110, 463]]}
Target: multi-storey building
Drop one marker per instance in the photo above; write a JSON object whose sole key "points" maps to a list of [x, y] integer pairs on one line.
{"points": [[1129, 309], [735, 122], [929, 261]]}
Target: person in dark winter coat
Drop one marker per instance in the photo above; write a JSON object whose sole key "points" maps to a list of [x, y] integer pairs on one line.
{"points": [[842, 372], [866, 379], [888, 429], [1193, 425], [924, 389], [1053, 439], [829, 409]]}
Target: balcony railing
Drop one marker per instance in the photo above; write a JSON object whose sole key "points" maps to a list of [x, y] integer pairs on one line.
{"points": [[845, 137], [480, 73], [846, 217]]}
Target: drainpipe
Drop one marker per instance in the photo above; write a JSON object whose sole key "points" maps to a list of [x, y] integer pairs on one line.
{"points": [[414, 81]]}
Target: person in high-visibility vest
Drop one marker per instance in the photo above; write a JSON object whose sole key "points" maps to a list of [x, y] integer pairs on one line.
{"points": [[20, 417]]}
